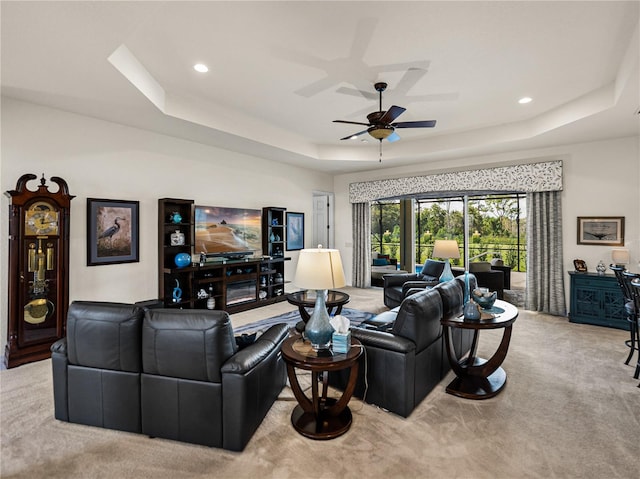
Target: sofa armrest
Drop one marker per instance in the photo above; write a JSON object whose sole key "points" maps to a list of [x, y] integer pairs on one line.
{"points": [[417, 284], [60, 347], [383, 340], [59, 363], [399, 279], [249, 357]]}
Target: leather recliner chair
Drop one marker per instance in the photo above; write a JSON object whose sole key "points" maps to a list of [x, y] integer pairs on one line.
{"points": [[169, 373], [405, 359], [196, 386], [97, 366], [397, 285]]}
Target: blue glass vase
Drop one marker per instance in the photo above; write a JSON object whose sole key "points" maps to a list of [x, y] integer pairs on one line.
{"points": [[318, 329]]}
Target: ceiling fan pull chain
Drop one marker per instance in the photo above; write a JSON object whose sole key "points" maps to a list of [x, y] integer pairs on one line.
{"points": [[380, 151]]}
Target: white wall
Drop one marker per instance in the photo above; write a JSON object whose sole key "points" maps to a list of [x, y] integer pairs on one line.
{"points": [[600, 179], [104, 160]]}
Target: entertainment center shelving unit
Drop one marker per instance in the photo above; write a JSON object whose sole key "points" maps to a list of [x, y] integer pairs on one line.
{"points": [[235, 284]]}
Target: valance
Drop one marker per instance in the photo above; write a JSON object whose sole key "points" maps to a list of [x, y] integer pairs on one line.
{"points": [[527, 178]]}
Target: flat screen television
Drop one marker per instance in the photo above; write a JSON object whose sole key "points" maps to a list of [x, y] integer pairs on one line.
{"points": [[228, 232]]}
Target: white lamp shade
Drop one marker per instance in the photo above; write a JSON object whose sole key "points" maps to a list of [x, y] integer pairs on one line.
{"points": [[620, 255], [319, 269], [446, 249]]}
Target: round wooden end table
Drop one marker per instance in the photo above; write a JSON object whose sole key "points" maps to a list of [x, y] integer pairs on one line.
{"points": [[320, 417], [307, 299], [479, 378]]}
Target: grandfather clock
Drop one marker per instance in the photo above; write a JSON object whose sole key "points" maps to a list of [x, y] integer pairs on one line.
{"points": [[38, 269]]}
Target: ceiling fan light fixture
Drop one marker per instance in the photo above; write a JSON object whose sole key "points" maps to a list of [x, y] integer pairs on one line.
{"points": [[380, 132]]}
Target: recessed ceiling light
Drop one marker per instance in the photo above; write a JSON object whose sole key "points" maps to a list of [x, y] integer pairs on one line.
{"points": [[201, 67], [525, 100]]}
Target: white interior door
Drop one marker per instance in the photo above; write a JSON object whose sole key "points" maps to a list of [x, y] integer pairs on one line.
{"points": [[322, 220]]}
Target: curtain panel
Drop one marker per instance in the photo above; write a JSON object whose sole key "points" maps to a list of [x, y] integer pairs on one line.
{"points": [[361, 261], [545, 275]]}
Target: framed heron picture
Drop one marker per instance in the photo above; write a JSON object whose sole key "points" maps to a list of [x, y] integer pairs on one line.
{"points": [[601, 230], [112, 231]]}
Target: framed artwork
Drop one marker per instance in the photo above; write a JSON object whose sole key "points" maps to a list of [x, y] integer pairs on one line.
{"points": [[295, 231], [112, 231], [580, 265], [601, 230]]}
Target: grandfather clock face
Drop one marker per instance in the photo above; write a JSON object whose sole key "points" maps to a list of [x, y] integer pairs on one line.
{"points": [[38, 269]]}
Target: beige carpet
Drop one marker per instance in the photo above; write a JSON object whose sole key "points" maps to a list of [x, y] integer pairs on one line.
{"points": [[570, 409]]}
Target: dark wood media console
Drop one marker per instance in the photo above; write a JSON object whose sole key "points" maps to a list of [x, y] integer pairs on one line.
{"points": [[236, 284]]}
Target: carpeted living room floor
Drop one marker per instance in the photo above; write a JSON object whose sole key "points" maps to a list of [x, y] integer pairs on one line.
{"points": [[571, 409]]}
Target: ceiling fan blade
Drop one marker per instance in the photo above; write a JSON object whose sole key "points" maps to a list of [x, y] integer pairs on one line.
{"points": [[359, 93], [415, 124], [393, 137], [354, 134], [391, 114], [351, 122]]}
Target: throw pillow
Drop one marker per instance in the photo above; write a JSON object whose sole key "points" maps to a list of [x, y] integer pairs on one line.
{"points": [[380, 262]]}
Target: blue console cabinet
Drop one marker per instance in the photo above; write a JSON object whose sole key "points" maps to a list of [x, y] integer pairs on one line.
{"points": [[597, 299]]}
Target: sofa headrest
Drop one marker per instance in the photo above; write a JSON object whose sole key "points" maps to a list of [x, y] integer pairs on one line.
{"points": [[452, 294], [419, 318], [433, 268], [104, 335], [187, 343]]}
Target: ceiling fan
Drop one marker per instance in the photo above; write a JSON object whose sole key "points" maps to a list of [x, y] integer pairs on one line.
{"points": [[381, 123]]}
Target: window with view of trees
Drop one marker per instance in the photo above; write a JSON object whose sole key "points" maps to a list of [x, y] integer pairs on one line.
{"points": [[496, 227]]}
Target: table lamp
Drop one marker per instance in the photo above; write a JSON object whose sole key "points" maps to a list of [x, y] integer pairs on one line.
{"points": [[446, 249], [319, 269], [620, 256]]}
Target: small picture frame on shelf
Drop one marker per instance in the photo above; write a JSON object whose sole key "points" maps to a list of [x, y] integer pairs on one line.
{"points": [[580, 265], [601, 230], [295, 231], [112, 232]]}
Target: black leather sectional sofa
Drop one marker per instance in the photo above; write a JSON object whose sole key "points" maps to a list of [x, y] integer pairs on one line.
{"points": [[174, 374], [405, 355]]}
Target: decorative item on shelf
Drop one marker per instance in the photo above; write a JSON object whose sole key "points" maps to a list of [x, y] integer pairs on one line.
{"points": [[182, 260], [601, 267], [177, 292], [319, 269], [272, 237], [274, 221], [177, 238], [202, 294], [620, 257], [472, 311], [211, 301], [263, 280], [175, 218], [262, 294], [484, 298], [278, 279], [580, 265], [446, 249], [278, 252], [279, 292], [277, 237]]}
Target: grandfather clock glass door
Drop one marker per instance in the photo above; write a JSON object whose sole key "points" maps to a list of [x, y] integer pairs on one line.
{"points": [[38, 269]]}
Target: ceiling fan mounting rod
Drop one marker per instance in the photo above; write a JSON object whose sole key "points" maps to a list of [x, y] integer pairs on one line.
{"points": [[380, 87]]}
